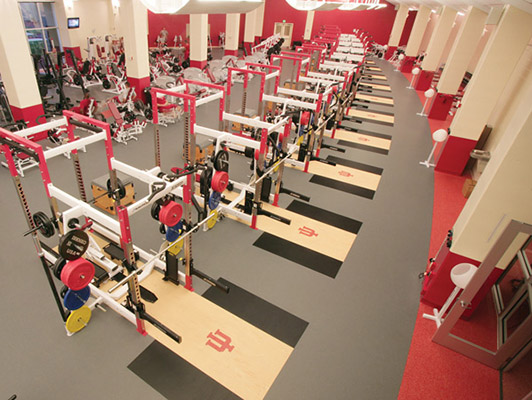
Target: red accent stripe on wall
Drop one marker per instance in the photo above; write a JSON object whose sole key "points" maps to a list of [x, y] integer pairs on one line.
{"points": [[455, 155]]}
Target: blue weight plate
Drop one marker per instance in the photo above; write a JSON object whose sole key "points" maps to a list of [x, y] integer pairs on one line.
{"points": [[75, 299], [214, 200], [173, 232]]}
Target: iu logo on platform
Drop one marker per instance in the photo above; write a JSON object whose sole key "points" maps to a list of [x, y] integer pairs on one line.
{"points": [[345, 173], [307, 231], [221, 341]]}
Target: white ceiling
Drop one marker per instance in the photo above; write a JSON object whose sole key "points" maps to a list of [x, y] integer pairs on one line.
{"points": [[462, 5]]}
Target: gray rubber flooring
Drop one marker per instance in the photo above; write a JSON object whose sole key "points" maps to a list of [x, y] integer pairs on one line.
{"points": [[360, 323]]}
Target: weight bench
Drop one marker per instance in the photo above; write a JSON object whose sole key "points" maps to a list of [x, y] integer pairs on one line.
{"points": [[169, 113], [124, 131]]}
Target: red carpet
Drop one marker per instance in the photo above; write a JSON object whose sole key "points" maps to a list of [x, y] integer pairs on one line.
{"points": [[433, 371]]}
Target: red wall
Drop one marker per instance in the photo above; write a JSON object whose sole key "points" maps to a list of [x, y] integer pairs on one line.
{"points": [[377, 22], [407, 28], [176, 24]]}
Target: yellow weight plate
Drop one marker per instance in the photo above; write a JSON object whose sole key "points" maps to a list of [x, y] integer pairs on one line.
{"points": [[176, 248], [78, 319], [211, 222]]}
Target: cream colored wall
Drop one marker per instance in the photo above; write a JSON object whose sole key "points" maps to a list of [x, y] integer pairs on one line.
{"points": [[398, 25], [504, 191], [96, 19], [418, 30], [488, 30]]}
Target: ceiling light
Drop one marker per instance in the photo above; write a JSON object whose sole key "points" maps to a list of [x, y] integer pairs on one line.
{"points": [[305, 5], [164, 6]]}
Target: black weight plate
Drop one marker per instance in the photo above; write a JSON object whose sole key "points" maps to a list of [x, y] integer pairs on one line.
{"points": [[221, 161], [63, 291], [58, 267], [155, 208], [46, 227], [121, 188], [106, 84], [205, 181], [73, 244]]}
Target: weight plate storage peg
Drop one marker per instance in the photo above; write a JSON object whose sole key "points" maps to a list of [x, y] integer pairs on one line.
{"points": [[170, 213], [73, 244], [75, 299], [220, 181], [78, 319], [214, 200], [45, 224], [77, 274]]}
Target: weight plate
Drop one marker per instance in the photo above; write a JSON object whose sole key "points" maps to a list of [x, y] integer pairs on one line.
{"points": [[106, 84], [155, 208], [121, 188], [73, 244], [162, 229], [173, 232], [170, 213], [205, 181], [176, 248], [220, 181], [211, 222], [58, 267], [75, 299], [214, 200], [77, 274], [46, 227], [63, 291], [221, 161], [78, 319]]}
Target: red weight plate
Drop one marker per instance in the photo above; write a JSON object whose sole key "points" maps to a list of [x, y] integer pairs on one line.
{"points": [[170, 213], [220, 180], [305, 117], [77, 274]]}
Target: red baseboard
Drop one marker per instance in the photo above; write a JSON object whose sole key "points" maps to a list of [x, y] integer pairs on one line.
{"points": [[29, 114], [231, 52], [139, 84], [441, 106], [455, 155], [408, 64], [198, 64], [248, 46], [437, 285], [424, 80], [390, 51]]}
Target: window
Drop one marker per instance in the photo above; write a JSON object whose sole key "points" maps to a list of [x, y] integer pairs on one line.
{"points": [[41, 26]]}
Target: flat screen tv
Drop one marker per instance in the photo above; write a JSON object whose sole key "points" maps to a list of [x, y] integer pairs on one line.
{"points": [[73, 23]]}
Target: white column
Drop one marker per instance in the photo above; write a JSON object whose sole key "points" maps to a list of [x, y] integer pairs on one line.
{"points": [[398, 25], [135, 34], [259, 21], [416, 36], [502, 53], [249, 26], [232, 29], [438, 39], [16, 65], [198, 40], [308, 25], [462, 50]]}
